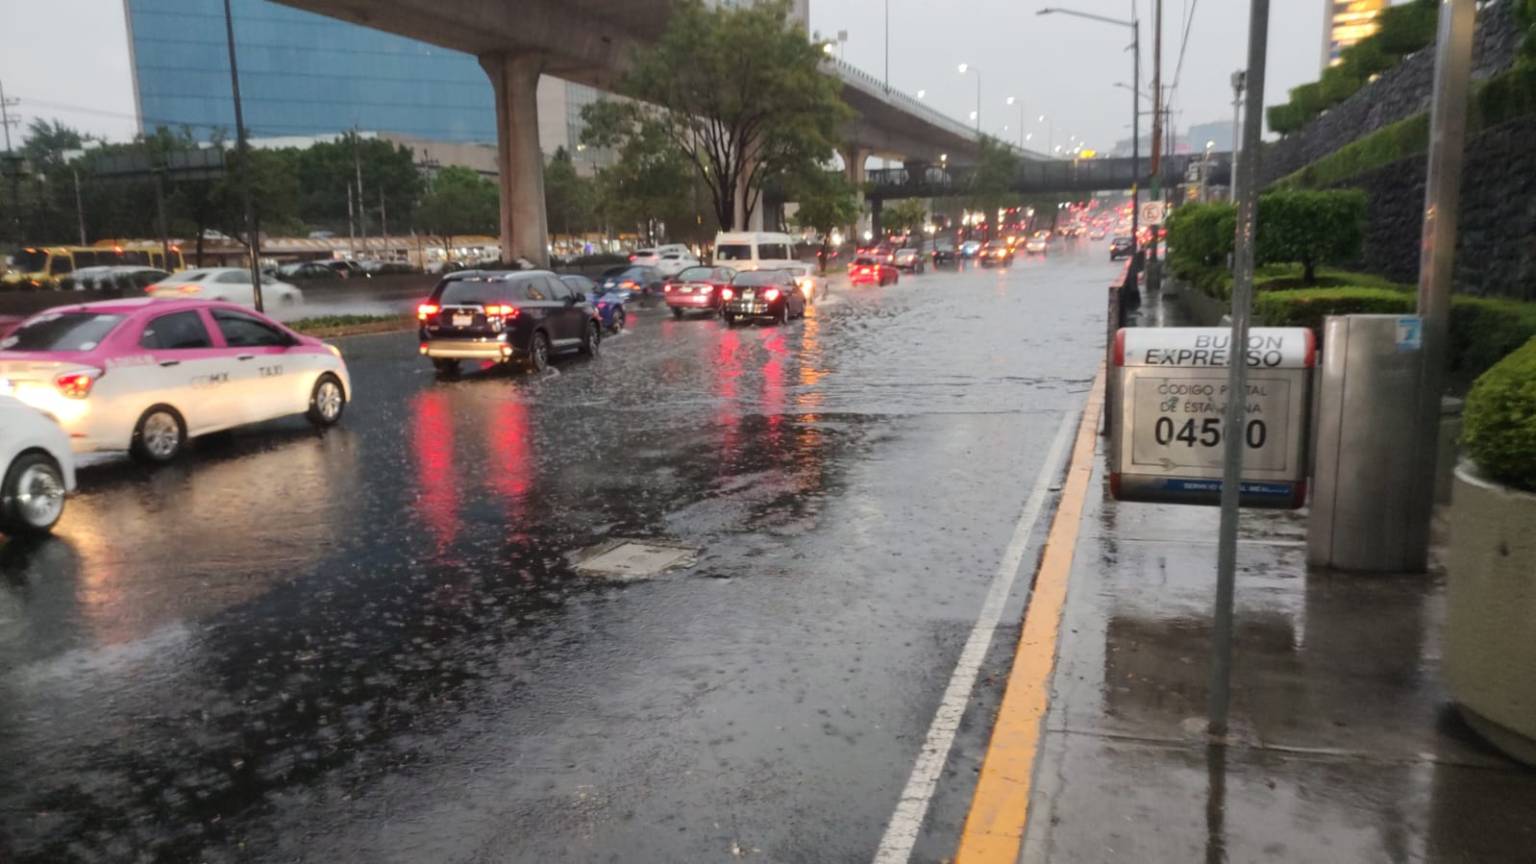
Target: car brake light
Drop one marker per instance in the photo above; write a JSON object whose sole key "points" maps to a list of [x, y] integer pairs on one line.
{"points": [[77, 385], [631, 258], [426, 310], [627, 283], [771, 295], [191, 289], [726, 293], [668, 288]]}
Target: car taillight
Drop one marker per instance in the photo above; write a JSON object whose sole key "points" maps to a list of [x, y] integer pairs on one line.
{"points": [[502, 311], [771, 295], [627, 283], [668, 288], [631, 258], [426, 310], [726, 293], [190, 289], [77, 385]]}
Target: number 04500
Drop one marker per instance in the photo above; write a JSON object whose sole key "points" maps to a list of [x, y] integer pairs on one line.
{"points": [[1205, 433]]}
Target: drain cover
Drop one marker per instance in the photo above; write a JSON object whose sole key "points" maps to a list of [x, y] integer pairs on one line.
{"points": [[632, 559]]}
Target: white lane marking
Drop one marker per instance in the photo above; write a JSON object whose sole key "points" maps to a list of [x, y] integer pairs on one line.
{"points": [[907, 821]]}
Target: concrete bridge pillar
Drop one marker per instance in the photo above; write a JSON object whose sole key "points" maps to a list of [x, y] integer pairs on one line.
{"points": [[520, 162], [854, 158]]}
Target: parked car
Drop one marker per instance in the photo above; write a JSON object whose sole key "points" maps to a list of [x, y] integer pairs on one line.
{"points": [[698, 289], [1121, 247], [995, 254], [147, 376], [609, 305], [308, 270], [652, 257], [114, 281], [635, 278], [867, 269], [762, 295], [909, 260], [506, 316], [37, 469], [225, 284]]}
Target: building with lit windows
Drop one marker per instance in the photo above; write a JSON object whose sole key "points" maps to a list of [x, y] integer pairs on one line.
{"points": [[1346, 22]]}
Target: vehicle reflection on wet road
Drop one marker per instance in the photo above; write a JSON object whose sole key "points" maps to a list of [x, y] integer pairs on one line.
{"points": [[374, 644]]}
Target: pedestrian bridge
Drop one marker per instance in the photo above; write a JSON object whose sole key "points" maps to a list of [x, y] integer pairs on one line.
{"points": [[1043, 176]]}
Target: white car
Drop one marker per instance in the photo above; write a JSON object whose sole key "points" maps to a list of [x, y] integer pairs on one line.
{"points": [[652, 257], [146, 375], [37, 470], [811, 285], [227, 284]]}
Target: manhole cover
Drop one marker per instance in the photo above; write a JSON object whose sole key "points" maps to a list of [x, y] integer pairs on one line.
{"points": [[634, 560]]}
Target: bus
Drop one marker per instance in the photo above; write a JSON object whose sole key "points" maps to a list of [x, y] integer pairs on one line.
{"points": [[41, 267]]}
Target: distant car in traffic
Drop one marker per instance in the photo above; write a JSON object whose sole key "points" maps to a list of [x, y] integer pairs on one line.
{"points": [[944, 252], [505, 316], [867, 269], [114, 281], [146, 376], [811, 284], [224, 284], [638, 279], [908, 260], [1098, 233], [762, 295], [996, 254], [1036, 245], [698, 289], [610, 306], [37, 470], [652, 257], [1121, 247], [307, 270], [969, 248], [347, 268]]}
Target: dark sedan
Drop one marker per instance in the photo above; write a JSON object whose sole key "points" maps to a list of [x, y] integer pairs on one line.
{"points": [[637, 279], [945, 254], [763, 294], [1121, 247]]}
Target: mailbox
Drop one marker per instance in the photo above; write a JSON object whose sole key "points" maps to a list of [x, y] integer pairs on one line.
{"points": [[1172, 392]]}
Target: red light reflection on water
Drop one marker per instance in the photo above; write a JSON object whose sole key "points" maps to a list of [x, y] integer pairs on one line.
{"points": [[436, 475]]}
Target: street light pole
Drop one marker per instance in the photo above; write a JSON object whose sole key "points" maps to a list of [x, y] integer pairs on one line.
{"points": [[966, 67], [887, 46], [242, 147]]}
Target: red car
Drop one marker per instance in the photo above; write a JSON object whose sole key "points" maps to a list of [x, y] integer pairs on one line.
{"points": [[867, 270], [697, 289]]}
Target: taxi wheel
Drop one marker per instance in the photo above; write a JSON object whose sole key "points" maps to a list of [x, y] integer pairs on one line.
{"points": [[159, 435], [538, 352], [591, 345], [32, 497], [327, 402]]}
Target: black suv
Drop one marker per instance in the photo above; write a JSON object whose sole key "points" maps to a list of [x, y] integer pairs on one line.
{"points": [[1120, 247], [522, 315]]}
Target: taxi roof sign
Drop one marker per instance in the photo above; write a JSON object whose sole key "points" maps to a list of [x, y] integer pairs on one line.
{"points": [[1207, 347]]}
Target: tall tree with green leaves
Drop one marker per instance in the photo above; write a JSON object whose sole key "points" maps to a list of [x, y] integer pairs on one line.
{"points": [[651, 186], [567, 195], [827, 201], [739, 91], [904, 217], [392, 183], [459, 201], [992, 180]]}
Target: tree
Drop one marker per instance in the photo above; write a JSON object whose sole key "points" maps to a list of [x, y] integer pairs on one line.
{"points": [[459, 201], [904, 217], [651, 185], [827, 201], [1200, 236], [739, 91], [1309, 227], [567, 195], [327, 169], [992, 180]]}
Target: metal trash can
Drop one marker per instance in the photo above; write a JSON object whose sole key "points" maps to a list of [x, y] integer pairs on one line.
{"points": [[1367, 418]]}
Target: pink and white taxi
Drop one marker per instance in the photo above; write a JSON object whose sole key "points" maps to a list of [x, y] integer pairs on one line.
{"points": [[147, 375]]}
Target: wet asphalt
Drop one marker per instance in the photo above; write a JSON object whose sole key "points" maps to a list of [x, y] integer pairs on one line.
{"points": [[374, 644]]}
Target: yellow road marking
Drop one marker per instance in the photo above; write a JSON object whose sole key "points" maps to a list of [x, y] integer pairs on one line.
{"points": [[994, 827]]}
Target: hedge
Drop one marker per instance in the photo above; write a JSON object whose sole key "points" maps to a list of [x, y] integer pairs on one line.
{"points": [[1482, 330], [1499, 423]]}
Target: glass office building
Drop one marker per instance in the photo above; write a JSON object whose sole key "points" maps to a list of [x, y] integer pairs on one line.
{"points": [[300, 74]]}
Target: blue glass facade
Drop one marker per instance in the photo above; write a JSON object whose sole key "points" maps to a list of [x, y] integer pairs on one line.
{"points": [[300, 74]]}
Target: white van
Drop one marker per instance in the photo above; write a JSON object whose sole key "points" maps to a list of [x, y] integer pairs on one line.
{"points": [[754, 250]]}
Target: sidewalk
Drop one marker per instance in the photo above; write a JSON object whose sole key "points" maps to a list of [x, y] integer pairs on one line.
{"points": [[1345, 747]]}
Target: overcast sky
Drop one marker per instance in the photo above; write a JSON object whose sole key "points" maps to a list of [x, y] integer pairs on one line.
{"points": [[1063, 67]]}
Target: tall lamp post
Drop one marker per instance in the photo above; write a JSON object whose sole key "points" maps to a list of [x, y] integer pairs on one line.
{"points": [[243, 148], [966, 67], [1050, 132], [1135, 26], [1011, 101]]}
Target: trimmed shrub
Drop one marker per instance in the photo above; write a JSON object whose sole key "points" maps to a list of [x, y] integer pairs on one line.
{"points": [[1307, 307], [1285, 118], [1499, 424], [1310, 227], [1484, 331], [1200, 236], [1407, 27]]}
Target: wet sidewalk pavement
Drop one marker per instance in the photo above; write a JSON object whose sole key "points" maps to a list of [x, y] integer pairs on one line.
{"points": [[1344, 748]]}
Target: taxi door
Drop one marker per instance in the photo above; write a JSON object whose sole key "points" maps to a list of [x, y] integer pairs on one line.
{"points": [[263, 379], [183, 368]]}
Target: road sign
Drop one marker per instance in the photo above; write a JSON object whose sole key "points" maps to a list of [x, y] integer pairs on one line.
{"points": [[1172, 392], [1152, 212]]}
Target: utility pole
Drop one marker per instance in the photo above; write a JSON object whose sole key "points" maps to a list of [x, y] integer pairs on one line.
{"points": [[79, 208], [1239, 79], [383, 217], [243, 148], [351, 224], [12, 163], [1154, 271], [362, 209]]}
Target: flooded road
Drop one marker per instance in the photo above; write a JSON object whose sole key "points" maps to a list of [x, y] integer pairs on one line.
{"points": [[376, 644]]}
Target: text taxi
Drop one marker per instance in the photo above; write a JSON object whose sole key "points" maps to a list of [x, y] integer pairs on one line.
{"points": [[148, 375]]}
